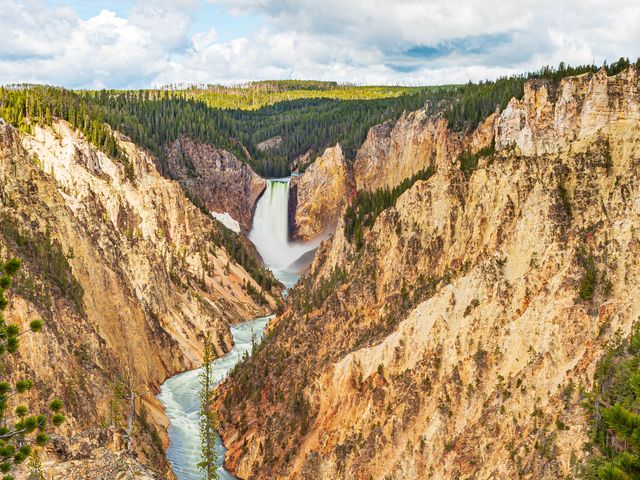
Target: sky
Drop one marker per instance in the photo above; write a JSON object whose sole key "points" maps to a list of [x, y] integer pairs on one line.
{"points": [[138, 44]]}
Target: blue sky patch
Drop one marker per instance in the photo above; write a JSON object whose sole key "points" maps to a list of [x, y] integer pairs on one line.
{"points": [[473, 45]]}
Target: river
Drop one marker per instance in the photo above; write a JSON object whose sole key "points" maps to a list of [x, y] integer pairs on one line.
{"points": [[180, 393]]}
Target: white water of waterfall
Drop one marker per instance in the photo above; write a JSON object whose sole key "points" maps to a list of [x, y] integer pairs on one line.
{"points": [[270, 232]]}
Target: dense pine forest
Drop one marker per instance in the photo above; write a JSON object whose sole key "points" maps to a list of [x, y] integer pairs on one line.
{"points": [[152, 118], [305, 124]]}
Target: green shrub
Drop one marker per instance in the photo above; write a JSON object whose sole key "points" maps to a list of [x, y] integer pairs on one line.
{"points": [[589, 276], [469, 161], [613, 409], [45, 256], [21, 429]]}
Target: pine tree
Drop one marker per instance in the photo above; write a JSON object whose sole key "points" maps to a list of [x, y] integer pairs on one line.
{"points": [[126, 390], [20, 430], [626, 426], [208, 435], [35, 467]]}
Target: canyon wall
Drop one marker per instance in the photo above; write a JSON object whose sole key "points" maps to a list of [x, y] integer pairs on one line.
{"points": [[127, 275], [395, 151], [216, 178], [458, 339], [391, 153], [318, 196]]}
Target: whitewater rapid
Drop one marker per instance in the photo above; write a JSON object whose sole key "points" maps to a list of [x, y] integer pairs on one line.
{"points": [[180, 397]]}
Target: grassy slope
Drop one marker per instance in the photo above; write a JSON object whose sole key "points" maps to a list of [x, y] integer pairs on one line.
{"points": [[260, 94]]}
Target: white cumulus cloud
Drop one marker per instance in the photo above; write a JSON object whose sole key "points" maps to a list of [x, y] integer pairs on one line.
{"points": [[362, 41]]}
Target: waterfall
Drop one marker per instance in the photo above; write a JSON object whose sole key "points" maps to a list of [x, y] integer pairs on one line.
{"points": [[179, 394], [270, 232]]}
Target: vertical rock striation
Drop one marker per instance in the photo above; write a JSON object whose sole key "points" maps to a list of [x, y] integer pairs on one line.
{"points": [[318, 196]]}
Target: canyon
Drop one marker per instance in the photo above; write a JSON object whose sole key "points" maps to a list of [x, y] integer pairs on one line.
{"points": [[457, 341], [435, 303], [134, 275]]}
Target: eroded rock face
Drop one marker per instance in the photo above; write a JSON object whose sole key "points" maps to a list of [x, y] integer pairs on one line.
{"points": [[318, 196], [144, 275], [547, 120], [216, 178], [97, 454], [394, 151], [301, 161], [270, 143], [452, 344]]}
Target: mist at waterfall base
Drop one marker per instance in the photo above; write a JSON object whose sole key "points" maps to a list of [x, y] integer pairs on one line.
{"points": [[270, 233], [180, 396]]}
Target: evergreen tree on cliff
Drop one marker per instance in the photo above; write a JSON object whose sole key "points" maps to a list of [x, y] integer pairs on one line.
{"points": [[20, 429], [626, 426], [209, 456]]}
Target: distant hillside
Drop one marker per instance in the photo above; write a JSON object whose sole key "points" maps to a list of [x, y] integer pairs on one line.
{"points": [[259, 94], [155, 118], [309, 116]]}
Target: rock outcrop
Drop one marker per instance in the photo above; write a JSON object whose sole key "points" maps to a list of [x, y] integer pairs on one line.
{"points": [[215, 178], [395, 151], [453, 342], [270, 143], [548, 119], [127, 275], [301, 162], [96, 454], [318, 196]]}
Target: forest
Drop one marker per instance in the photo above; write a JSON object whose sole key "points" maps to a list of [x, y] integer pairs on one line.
{"points": [[257, 95], [152, 118]]}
